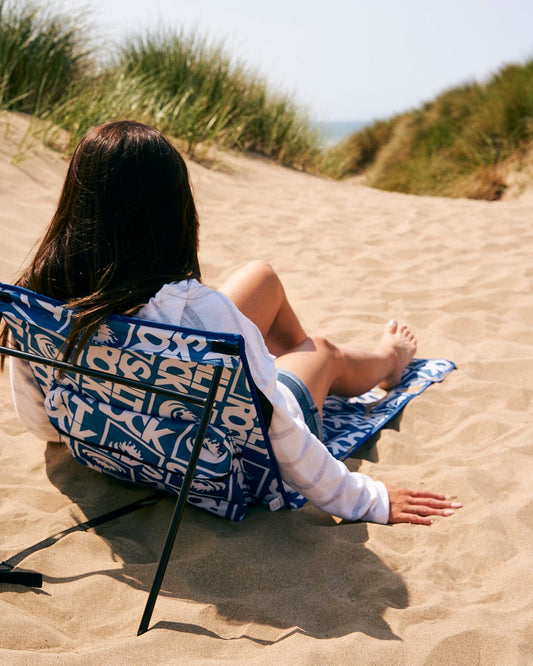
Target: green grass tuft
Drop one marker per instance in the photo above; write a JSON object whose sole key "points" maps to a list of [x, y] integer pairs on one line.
{"points": [[179, 82], [40, 54], [457, 145], [200, 95]]}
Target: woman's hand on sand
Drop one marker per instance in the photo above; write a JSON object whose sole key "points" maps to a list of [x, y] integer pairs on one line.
{"points": [[416, 506]]}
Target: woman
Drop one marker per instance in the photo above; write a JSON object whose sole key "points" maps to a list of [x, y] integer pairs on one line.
{"points": [[124, 240]]}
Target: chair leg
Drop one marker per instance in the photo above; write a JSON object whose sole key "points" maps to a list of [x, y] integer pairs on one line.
{"points": [[180, 503]]}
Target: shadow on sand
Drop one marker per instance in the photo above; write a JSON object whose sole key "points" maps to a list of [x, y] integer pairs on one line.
{"points": [[296, 570]]}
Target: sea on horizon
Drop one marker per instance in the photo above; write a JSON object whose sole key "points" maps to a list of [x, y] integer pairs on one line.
{"points": [[336, 130]]}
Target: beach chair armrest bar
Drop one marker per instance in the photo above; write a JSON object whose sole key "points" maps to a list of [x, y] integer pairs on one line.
{"points": [[100, 374]]}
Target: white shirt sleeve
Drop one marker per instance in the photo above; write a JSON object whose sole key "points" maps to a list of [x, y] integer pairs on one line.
{"points": [[29, 401], [308, 467]]}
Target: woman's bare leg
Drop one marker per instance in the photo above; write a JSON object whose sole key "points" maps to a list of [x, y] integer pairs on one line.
{"points": [[259, 294], [323, 367]]}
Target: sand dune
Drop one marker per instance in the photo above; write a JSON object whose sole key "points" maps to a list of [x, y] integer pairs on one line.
{"points": [[298, 587]]}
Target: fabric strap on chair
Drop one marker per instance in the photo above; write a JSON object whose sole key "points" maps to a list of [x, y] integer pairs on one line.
{"points": [[34, 579]]}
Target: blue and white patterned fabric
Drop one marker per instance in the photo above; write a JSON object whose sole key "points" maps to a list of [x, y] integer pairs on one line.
{"points": [[138, 436], [350, 422]]}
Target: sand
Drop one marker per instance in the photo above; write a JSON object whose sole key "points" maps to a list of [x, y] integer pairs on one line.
{"points": [[298, 587]]}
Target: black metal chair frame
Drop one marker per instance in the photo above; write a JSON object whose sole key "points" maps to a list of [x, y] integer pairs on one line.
{"points": [[208, 404]]}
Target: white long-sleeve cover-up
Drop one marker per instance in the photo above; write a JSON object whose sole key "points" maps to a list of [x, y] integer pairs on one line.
{"points": [[305, 463]]}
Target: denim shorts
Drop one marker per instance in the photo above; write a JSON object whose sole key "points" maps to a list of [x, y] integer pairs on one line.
{"points": [[312, 417]]}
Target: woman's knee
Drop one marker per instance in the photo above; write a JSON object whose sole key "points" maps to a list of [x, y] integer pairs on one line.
{"points": [[261, 278], [248, 280], [326, 348], [260, 269]]}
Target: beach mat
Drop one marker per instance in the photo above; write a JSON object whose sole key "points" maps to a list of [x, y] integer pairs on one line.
{"points": [[350, 422]]}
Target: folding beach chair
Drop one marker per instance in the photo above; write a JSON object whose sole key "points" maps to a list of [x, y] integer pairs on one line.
{"points": [[175, 409], [159, 405]]}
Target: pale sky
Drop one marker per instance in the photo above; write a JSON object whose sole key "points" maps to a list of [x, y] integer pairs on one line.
{"points": [[346, 59]]}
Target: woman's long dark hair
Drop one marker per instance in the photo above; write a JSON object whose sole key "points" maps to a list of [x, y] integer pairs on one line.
{"points": [[125, 225]]}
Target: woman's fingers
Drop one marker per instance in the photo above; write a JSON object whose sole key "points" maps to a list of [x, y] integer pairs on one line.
{"points": [[411, 518], [414, 506], [424, 494]]}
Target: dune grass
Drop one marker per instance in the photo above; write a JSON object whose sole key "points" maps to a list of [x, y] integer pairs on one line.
{"points": [[201, 95], [458, 145], [359, 150], [187, 87], [40, 54]]}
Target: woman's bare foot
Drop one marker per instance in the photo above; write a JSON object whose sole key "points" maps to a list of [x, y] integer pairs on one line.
{"points": [[400, 343]]}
